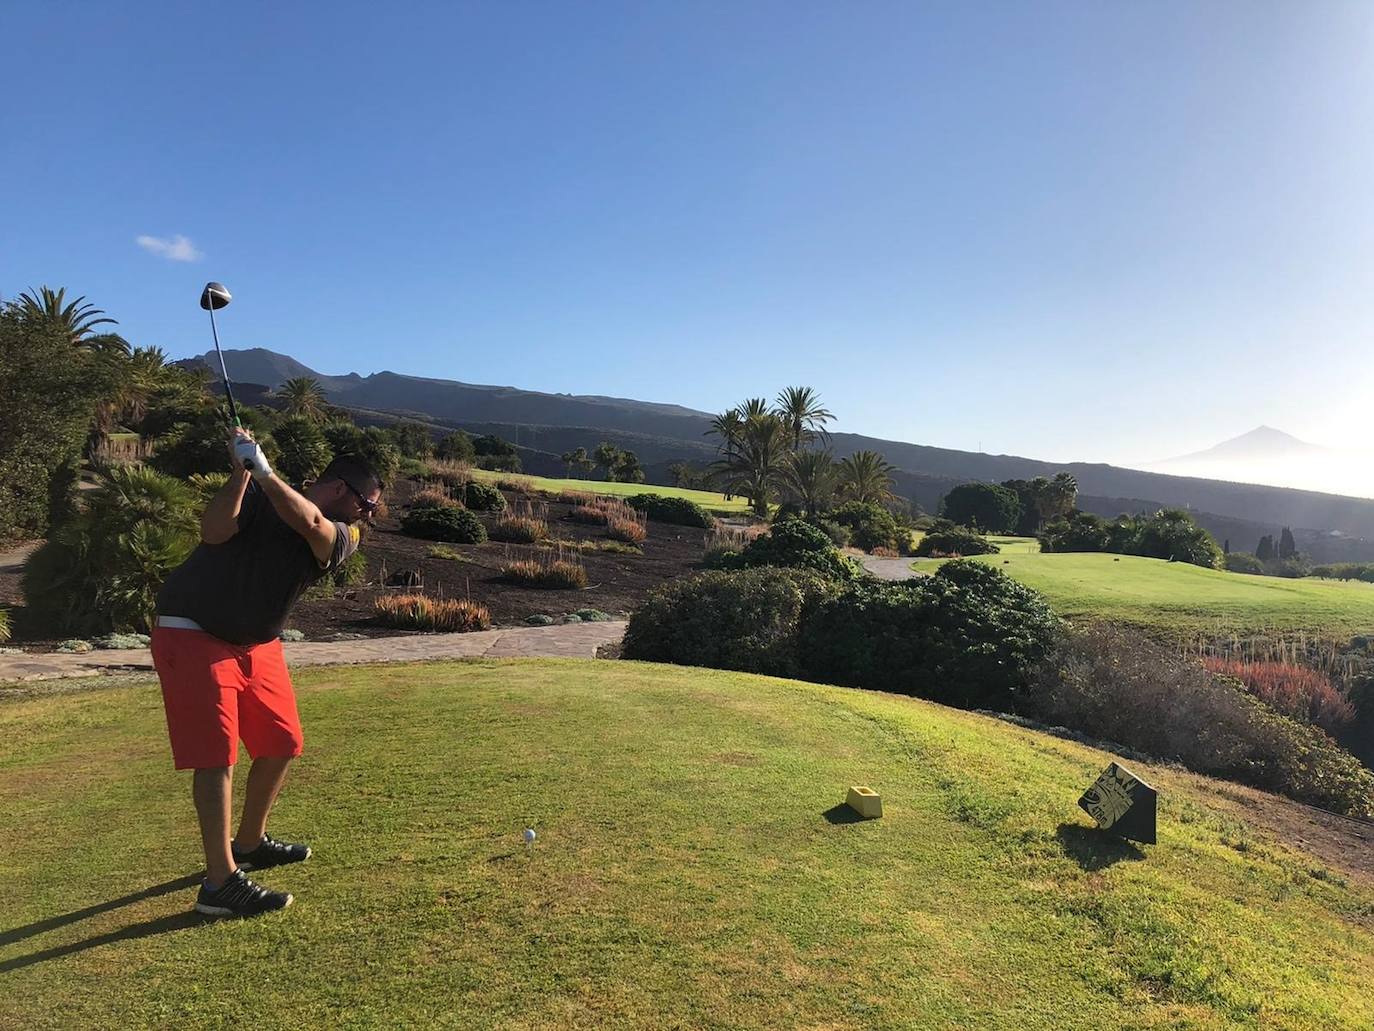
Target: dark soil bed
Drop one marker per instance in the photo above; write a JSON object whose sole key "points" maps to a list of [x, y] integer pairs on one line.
{"points": [[616, 582]]}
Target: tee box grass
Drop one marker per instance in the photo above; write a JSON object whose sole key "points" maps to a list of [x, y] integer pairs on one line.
{"points": [[686, 874]]}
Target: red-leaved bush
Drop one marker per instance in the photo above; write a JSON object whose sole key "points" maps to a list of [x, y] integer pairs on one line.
{"points": [[1296, 691]]}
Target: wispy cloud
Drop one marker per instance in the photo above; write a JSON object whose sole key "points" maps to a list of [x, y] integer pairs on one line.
{"points": [[177, 248]]}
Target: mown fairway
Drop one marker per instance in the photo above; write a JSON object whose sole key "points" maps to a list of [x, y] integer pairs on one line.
{"points": [[708, 500], [1179, 597], [685, 873]]}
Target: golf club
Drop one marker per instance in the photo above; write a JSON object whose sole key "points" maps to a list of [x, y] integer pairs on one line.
{"points": [[216, 296]]}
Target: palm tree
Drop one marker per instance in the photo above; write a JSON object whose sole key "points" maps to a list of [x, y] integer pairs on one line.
{"points": [[727, 426], [810, 477], [77, 319], [801, 412], [866, 476], [754, 467], [304, 396]]}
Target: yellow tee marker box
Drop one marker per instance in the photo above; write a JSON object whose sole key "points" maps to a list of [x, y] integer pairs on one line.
{"points": [[865, 801]]}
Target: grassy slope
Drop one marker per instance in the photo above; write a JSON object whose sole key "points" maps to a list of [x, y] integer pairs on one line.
{"points": [[708, 500], [685, 875], [1177, 596]]}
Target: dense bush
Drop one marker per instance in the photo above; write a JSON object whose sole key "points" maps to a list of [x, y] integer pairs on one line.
{"points": [[302, 451], [456, 525], [50, 390], [839, 535], [483, 497], [800, 545], [413, 440], [343, 437], [198, 447], [1173, 534], [986, 506], [418, 612], [745, 620], [380, 452], [968, 636], [102, 571], [679, 511], [1241, 562], [1345, 571], [954, 541], [456, 447], [870, 526], [1118, 686], [1078, 531]]}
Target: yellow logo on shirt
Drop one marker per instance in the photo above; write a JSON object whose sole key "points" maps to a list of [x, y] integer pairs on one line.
{"points": [[355, 535]]}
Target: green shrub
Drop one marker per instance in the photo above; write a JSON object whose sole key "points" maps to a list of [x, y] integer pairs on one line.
{"points": [[799, 545], [122, 641], [746, 620], [456, 525], [1078, 531], [102, 571], [955, 541], [1115, 685], [302, 451], [456, 447], [839, 535], [483, 497], [50, 390], [990, 507], [441, 551], [968, 636], [1343, 571], [870, 525], [198, 447], [678, 511], [1241, 562]]}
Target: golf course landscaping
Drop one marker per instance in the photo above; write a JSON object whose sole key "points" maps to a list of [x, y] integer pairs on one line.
{"points": [[707, 499], [692, 868], [1180, 597]]}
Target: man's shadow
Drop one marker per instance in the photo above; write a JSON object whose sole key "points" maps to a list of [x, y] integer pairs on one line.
{"points": [[161, 925]]}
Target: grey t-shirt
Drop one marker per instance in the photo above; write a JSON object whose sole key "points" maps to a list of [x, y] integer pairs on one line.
{"points": [[241, 591]]}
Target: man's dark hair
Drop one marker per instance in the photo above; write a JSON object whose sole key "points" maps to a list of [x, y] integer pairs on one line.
{"points": [[352, 470]]}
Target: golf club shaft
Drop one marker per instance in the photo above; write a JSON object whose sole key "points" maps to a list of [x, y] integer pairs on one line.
{"points": [[228, 391]]}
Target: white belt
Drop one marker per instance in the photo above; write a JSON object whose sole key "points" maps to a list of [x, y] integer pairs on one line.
{"points": [[178, 623]]}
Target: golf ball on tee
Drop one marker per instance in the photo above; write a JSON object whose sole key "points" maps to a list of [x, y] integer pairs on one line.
{"points": [[529, 835]]}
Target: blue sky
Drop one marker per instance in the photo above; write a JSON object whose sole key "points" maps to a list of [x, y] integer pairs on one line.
{"points": [[1098, 231]]}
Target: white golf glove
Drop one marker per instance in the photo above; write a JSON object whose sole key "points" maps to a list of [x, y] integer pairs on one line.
{"points": [[250, 454]]}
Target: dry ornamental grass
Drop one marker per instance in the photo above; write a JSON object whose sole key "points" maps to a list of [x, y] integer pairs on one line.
{"points": [[419, 612], [558, 574]]}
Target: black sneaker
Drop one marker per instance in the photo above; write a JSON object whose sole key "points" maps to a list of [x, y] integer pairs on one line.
{"points": [[270, 852], [238, 896]]}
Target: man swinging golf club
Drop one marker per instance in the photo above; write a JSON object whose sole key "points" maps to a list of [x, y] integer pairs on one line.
{"points": [[217, 649]]}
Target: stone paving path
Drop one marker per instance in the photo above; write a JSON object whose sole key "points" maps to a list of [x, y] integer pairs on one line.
{"points": [[888, 568], [566, 640]]}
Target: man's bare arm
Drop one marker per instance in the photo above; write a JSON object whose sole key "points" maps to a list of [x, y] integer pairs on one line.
{"points": [[302, 515], [219, 521]]}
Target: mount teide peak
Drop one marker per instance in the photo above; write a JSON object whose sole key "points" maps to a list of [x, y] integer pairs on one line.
{"points": [[1261, 443]]}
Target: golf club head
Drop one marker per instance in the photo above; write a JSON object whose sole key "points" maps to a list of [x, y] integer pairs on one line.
{"points": [[214, 297]]}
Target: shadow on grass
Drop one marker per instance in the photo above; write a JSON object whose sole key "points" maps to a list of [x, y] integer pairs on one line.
{"points": [[143, 930], [148, 928], [842, 814], [1093, 849]]}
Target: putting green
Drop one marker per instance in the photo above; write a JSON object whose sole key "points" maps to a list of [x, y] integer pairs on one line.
{"points": [[687, 872], [1181, 597], [708, 500]]}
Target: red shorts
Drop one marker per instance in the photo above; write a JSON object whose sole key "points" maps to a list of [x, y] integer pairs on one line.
{"points": [[216, 693]]}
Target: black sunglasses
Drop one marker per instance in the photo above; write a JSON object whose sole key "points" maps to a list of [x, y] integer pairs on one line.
{"points": [[368, 507]]}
